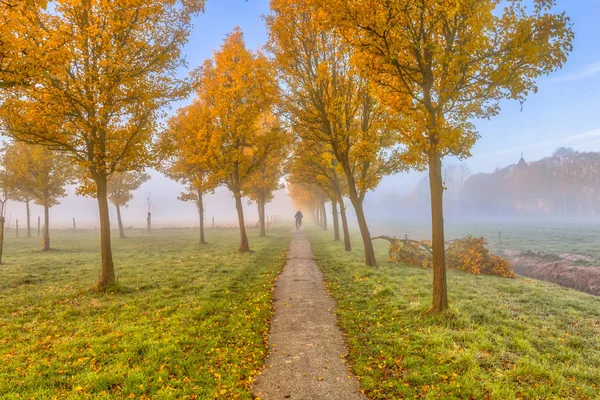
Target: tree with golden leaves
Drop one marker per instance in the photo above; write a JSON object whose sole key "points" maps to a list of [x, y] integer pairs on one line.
{"points": [[101, 104], [272, 145], [42, 175], [185, 157], [236, 87], [121, 186], [439, 64], [331, 103]]}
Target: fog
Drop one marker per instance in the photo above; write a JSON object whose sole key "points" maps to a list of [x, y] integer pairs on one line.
{"points": [[563, 187]]}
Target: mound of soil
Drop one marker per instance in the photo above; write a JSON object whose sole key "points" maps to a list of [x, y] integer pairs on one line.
{"points": [[559, 270]]}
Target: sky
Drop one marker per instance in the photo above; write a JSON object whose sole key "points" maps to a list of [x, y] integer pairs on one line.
{"points": [[564, 112]]}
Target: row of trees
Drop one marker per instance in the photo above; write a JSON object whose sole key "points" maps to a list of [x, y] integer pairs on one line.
{"points": [[33, 173], [379, 86], [357, 88], [229, 136]]}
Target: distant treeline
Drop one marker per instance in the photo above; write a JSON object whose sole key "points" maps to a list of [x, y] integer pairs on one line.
{"points": [[566, 184]]}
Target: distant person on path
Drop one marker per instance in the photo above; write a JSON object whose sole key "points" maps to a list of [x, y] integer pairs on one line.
{"points": [[298, 217]]}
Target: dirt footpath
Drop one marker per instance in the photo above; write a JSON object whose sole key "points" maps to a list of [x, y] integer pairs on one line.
{"points": [[307, 350]]}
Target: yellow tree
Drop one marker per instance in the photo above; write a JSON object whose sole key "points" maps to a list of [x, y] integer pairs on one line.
{"points": [[271, 151], [102, 104], [312, 164], [236, 88], [121, 186], [40, 174], [442, 63], [329, 102], [185, 157]]}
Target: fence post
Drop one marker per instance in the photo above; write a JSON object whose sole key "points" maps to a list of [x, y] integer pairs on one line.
{"points": [[39, 226]]}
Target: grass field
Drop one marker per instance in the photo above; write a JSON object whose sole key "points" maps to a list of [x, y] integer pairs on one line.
{"points": [[502, 338], [185, 321], [547, 237]]}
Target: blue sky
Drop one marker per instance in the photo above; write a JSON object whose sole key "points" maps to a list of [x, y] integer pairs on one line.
{"points": [[565, 111]]}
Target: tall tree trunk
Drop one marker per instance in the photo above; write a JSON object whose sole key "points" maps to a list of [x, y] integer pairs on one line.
{"points": [[440, 293], [261, 217], [324, 214], [1, 237], [28, 218], [201, 216], [46, 235], [364, 232], [120, 222], [336, 221], [107, 277], [347, 244], [244, 246]]}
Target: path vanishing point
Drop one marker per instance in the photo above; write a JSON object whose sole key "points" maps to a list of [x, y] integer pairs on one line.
{"points": [[307, 350]]}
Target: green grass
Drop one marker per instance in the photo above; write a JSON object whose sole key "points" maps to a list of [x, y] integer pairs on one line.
{"points": [[502, 338], [185, 320]]}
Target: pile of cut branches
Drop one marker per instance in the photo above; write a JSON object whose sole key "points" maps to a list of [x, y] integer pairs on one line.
{"points": [[469, 254]]}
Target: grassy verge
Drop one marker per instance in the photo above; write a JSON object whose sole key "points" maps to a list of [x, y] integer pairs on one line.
{"points": [[185, 321], [503, 338]]}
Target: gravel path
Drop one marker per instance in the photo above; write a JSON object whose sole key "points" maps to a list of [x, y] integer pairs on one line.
{"points": [[307, 349]]}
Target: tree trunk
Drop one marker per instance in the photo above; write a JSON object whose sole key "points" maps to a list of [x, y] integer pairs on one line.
{"points": [[107, 277], [347, 244], [120, 222], [28, 218], [1, 237], [201, 216], [370, 259], [324, 214], [46, 234], [261, 218], [336, 222], [319, 219], [244, 246], [440, 293]]}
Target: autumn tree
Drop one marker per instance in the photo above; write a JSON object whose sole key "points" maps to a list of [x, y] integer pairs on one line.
{"points": [[442, 64], [236, 87], [184, 149], [121, 186], [101, 103], [271, 151], [331, 103], [42, 175]]}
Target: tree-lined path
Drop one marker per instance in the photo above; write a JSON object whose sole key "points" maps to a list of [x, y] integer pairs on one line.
{"points": [[307, 348]]}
